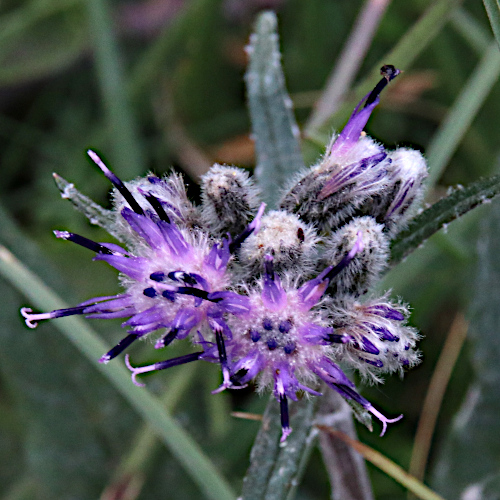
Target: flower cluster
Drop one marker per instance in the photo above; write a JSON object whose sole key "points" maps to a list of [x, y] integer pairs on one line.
{"points": [[279, 299]]}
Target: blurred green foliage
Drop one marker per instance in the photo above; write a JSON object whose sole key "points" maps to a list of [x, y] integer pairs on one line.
{"points": [[157, 85]]}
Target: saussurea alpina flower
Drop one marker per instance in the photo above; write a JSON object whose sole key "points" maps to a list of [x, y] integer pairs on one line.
{"points": [[163, 258], [284, 307]]}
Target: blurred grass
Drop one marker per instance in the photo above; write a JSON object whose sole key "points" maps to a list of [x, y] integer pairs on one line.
{"points": [[55, 102]]}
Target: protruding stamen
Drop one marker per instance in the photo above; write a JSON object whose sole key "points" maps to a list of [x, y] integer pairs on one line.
{"points": [[254, 226], [31, 319], [383, 419], [157, 206], [183, 277], [337, 339], [167, 339], [123, 190], [388, 72], [158, 276], [119, 348], [285, 419], [162, 365], [150, 292], [84, 242]]}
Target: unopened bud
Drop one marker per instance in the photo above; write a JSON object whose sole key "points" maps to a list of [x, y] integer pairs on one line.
{"points": [[334, 189], [290, 241], [397, 203], [367, 263], [230, 199]]}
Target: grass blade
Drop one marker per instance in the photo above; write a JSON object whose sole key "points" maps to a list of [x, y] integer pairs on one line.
{"points": [[126, 146], [493, 10], [463, 111], [147, 406], [402, 56]]}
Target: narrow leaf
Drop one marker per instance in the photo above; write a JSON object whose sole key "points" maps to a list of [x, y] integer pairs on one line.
{"points": [[127, 151], [96, 214], [456, 204], [147, 406], [463, 111], [411, 45], [346, 468], [273, 125], [493, 10]]}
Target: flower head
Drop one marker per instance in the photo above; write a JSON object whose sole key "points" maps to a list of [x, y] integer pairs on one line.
{"points": [[163, 258], [246, 298]]}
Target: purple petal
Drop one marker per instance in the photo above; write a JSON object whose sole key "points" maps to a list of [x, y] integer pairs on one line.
{"points": [[174, 239], [231, 302], [273, 295], [154, 314], [131, 266], [145, 228], [311, 292], [351, 132], [385, 312]]}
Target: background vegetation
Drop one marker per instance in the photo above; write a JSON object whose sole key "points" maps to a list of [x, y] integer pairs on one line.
{"points": [[158, 84]]}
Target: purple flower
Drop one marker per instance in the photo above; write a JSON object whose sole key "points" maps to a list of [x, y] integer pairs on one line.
{"points": [[167, 272], [282, 338]]}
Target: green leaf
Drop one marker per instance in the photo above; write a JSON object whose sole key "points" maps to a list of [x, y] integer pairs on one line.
{"points": [[273, 467], [126, 146], [464, 109], [273, 124], [146, 405], [469, 458], [460, 201], [493, 10]]}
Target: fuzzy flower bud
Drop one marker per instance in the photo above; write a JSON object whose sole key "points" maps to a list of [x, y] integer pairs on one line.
{"points": [[379, 340], [366, 266], [230, 200], [395, 205], [291, 242], [353, 169]]}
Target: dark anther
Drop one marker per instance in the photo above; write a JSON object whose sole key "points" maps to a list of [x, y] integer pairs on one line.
{"points": [[336, 339], [168, 295], [289, 348], [122, 189], [181, 360], [169, 337], [157, 276], [120, 347], [149, 292], [267, 324], [255, 335], [285, 419], [388, 72], [236, 378], [221, 347], [182, 276], [158, 207], [285, 326], [272, 344], [300, 234]]}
